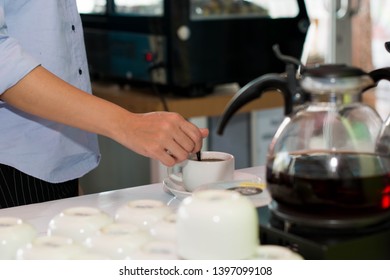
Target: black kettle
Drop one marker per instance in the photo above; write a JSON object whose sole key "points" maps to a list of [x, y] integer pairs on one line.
{"points": [[322, 166]]}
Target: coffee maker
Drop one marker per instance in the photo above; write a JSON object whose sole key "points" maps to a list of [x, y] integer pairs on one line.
{"points": [[329, 182]]}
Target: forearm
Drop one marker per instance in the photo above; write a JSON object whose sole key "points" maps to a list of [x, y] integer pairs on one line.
{"points": [[43, 94]]}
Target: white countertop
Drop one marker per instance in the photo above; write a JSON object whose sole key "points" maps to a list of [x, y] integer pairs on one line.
{"points": [[40, 214]]}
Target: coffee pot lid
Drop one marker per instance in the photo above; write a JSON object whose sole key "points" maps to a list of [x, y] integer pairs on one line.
{"points": [[332, 71], [334, 78]]}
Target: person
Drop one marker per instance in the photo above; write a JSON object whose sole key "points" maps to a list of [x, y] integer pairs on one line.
{"points": [[49, 120]]}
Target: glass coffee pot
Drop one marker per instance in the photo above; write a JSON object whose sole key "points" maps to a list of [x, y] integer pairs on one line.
{"points": [[323, 166]]}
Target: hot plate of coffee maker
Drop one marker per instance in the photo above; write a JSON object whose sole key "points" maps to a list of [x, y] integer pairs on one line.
{"points": [[326, 169]]}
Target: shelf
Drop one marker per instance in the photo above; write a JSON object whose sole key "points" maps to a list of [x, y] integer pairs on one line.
{"points": [[143, 100]]}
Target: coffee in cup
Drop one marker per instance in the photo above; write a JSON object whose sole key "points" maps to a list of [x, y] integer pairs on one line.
{"points": [[213, 167]]}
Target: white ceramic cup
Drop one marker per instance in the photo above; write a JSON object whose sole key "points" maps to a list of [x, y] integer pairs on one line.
{"points": [[118, 241], [50, 248], [157, 250], [14, 234], [192, 173], [142, 212], [217, 224], [78, 223], [165, 229]]}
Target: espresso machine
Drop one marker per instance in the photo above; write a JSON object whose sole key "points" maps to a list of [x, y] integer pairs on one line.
{"points": [[188, 47]]}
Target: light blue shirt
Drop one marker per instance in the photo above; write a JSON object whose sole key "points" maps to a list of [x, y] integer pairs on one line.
{"points": [[47, 33]]}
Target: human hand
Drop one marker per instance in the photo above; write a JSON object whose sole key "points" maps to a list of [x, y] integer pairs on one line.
{"points": [[163, 136]]}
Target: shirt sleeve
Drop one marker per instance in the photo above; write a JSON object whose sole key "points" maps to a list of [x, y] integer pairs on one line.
{"points": [[15, 63]]}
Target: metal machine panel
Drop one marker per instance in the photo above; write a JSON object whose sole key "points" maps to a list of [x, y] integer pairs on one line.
{"points": [[190, 46]]}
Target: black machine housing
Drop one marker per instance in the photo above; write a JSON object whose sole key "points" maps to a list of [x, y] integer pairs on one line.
{"points": [[186, 52]]}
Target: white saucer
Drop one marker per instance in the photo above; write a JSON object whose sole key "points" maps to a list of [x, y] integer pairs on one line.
{"points": [[247, 184]]}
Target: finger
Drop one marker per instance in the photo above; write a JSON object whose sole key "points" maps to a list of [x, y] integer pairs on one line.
{"points": [[204, 132], [198, 142], [178, 153], [167, 158], [182, 136], [195, 136], [184, 143]]}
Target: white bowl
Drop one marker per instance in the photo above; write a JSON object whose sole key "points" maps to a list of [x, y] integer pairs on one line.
{"points": [[50, 248], [165, 229], [217, 224], [118, 241], [143, 212], [78, 223], [14, 234]]}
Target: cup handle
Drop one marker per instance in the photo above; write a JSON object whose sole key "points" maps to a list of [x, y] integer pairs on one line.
{"points": [[175, 174]]}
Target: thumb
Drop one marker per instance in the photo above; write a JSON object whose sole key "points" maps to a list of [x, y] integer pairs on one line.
{"points": [[204, 132]]}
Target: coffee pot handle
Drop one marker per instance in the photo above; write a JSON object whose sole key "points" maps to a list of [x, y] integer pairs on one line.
{"points": [[286, 84], [253, 90], [377, 76], [381, 73]]}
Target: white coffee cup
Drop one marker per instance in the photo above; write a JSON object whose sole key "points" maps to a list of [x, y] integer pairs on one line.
{"points": [[157, 250], [142, 212], [50, 248], [118, 241], [14, 234], [213, 167], [165, 229], [78, 223], [217, 224]]}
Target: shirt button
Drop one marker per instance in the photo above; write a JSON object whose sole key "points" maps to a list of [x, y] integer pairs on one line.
{"points": [[80, 71], [73, 27]]}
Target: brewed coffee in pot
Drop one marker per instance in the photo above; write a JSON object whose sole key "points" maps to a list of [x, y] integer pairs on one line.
{"points": [[322, 163]]}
